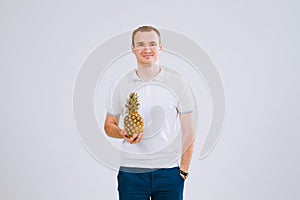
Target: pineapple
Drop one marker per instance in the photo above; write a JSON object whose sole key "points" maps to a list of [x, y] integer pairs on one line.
{"points": [[133, 121]]}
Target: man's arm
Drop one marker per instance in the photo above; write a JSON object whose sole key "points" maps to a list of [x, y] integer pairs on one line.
{"points": [[112, 129], [188, 136], [111, 126]]}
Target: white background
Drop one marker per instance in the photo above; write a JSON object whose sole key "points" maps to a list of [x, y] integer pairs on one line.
{"points": [[254, 44]]}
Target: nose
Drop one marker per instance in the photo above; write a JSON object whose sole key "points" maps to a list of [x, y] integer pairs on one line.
{"points": [[147, 49]]}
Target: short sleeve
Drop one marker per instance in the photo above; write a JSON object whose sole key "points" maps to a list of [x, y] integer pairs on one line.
{"points": [[113, 104], [186, 100]]}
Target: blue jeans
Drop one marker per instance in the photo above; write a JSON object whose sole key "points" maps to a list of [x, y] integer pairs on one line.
{"points": [[160, 184]]}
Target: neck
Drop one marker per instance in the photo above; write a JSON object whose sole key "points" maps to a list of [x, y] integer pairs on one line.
{"points": [[147, 73]]}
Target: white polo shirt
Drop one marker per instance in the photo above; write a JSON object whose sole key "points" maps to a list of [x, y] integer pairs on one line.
{"points": [[161, 102]]}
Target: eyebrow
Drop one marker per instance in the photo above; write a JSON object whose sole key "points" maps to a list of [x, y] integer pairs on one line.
{"points": [[152, 42]]}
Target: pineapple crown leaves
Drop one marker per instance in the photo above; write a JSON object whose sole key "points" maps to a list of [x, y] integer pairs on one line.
{"points": [[132, 104]]}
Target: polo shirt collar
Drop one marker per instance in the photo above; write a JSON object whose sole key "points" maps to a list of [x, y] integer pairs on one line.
{"points": [[160, 77]]}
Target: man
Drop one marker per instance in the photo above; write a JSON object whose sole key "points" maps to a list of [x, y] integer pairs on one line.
{"points": [[154, 163]]}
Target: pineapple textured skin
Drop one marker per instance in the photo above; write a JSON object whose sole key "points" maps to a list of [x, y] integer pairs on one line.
{"points": [[133, 121]]}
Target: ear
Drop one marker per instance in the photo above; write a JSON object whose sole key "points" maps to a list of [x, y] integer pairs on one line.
{"points": [[132, 48], [160, 47]]}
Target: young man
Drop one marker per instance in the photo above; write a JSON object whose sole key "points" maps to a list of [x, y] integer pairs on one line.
{"points": [[154, 163]]}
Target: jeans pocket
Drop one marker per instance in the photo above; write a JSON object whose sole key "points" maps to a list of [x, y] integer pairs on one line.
{"points": [[180, 177]]}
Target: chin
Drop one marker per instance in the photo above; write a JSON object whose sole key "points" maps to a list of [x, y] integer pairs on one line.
{"points": [[147, 63]]}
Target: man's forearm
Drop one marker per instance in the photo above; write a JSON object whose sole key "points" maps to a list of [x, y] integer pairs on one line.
{"points": [[187, 153], [112, 130], [187, 128]]}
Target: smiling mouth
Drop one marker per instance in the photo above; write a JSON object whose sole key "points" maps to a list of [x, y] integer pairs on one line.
{"points": [[147, 56]]}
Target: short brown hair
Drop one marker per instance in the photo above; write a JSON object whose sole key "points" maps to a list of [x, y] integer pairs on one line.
{"points": [[145, 29]]}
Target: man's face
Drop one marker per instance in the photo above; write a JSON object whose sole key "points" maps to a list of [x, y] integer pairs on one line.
{"points": [[146, 48]]}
